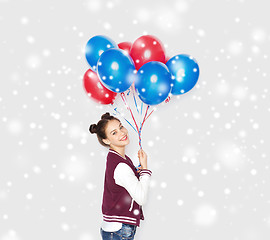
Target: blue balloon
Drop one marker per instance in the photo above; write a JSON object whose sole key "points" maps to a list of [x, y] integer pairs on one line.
{"points": [[153, 82], [95, 47], [116, 70], [185, 71]]}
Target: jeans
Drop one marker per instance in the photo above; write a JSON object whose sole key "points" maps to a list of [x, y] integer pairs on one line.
{"points": [[126, 232]]}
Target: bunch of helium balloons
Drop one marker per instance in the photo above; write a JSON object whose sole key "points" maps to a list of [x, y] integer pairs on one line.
{"points": [[140, 68]]}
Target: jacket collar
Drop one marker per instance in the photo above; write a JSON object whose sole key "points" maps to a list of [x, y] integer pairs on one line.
{"points": [[115, 152]]}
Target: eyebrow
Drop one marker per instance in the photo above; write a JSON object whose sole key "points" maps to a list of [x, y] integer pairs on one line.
{"points": [[115, 129]]}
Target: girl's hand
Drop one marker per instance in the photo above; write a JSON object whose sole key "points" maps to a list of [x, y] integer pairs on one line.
{"points": [[142, 159], [139, 169]]}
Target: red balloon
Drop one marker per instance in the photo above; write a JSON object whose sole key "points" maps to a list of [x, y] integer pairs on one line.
{"points": [[126, 46], [145, 49], [96, 90]]}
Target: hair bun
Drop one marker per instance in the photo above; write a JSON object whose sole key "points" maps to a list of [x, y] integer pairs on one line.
{"points": [[106, 116], [93, 128]]}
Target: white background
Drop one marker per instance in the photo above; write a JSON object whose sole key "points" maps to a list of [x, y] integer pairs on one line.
{"points": [[208, 149]]}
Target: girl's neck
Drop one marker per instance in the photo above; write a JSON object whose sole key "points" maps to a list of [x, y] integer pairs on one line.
{"points": [[120, 150]]}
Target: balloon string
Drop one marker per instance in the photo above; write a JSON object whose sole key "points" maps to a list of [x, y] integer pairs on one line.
{"points": [[127, 106], [124, 99], [144, 119], [150, 114], [115, 109], [134, 99], [131, 125], [145, 115], [141, 125]]}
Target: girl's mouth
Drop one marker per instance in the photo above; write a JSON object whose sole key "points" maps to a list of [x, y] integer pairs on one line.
{"points": [[124, 138]]}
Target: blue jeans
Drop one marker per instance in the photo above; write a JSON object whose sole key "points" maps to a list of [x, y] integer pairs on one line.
{"points": [[126, 232]]}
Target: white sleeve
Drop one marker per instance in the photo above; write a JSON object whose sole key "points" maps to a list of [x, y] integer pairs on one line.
{"points": [[125, 177]]}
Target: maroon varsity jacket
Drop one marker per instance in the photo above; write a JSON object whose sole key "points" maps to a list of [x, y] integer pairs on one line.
{"points": [[118, 205]]}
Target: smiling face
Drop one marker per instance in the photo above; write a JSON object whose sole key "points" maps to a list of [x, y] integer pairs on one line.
{"points": [[117, 134]]}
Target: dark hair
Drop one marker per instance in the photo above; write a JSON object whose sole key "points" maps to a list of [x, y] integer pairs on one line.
{"points": [[100, 127]]}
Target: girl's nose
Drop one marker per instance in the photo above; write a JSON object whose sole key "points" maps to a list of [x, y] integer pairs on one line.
{"points": [[123, 131]]}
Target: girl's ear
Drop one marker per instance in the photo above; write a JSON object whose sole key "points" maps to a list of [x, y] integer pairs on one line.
{"points": [[106, 141]]}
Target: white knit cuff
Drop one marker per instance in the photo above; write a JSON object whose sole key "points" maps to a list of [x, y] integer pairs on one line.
{"points": [[145, 172]]}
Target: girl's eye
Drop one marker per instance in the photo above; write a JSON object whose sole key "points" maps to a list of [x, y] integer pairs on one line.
{"points": [[114, 133], [121, 127]]}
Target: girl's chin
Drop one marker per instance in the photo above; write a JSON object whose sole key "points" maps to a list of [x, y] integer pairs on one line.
{"points": [[122, 143], [125, 142]]}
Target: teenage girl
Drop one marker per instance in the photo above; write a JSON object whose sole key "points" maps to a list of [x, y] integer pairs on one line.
{"points": [[125, 188]]}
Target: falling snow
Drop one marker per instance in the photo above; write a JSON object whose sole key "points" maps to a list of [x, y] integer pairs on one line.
{"points": [[208, 149]]}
